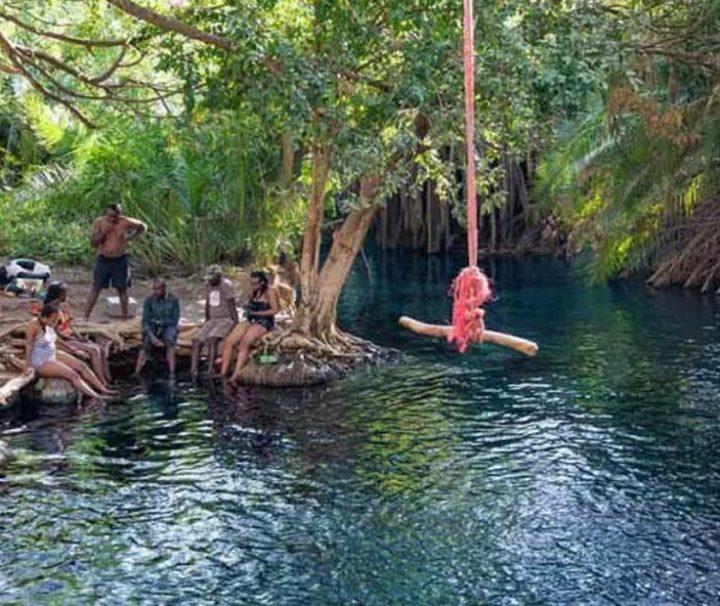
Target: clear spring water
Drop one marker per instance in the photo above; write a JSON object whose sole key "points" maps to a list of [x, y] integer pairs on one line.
{"points": [[590, 475]]}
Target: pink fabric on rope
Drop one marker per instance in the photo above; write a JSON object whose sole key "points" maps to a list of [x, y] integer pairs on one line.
{"points": [[470, 288]]}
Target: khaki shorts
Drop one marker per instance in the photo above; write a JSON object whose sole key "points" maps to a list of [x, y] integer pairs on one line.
{"points": [[214, 329]]}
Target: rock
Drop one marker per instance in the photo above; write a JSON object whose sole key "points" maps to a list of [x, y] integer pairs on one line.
{"points": [[112, 307], [54, 391]]}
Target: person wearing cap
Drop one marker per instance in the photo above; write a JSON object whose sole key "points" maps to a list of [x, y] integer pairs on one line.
{"points": [[220, 317]]}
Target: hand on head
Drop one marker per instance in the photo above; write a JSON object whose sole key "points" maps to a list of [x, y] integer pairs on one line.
{"points": [[113, 213]]}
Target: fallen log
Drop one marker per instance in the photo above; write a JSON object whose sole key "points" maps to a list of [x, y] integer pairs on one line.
{"points": [[6, 455], [11, 390], [523, 346]]}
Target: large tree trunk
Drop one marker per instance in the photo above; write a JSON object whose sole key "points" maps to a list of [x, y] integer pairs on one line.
{"points": [[310, 256], [318, 313]]}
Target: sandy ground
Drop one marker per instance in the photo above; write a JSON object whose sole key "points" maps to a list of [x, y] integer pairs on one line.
{"points": [[189, 289]]}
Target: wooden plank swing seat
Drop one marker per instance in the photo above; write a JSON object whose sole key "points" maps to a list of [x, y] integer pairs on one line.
{"points": [[523, 346], [471, 288]]}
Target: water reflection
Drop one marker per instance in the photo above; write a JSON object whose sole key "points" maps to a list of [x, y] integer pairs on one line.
{"points": [[589, 475]]}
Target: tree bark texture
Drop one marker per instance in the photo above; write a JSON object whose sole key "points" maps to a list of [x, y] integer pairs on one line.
{"points": [[171, 25], [317, 313], [312, 237]]}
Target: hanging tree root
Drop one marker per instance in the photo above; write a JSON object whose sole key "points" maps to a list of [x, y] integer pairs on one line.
{"points": [[301, 360], [688, 254], [523, 346]]}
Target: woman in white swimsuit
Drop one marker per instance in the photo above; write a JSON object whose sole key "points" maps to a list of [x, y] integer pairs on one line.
{"points": [[49, 363]]}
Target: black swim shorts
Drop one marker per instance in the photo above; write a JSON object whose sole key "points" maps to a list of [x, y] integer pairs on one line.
{"points": [[112, 270]]}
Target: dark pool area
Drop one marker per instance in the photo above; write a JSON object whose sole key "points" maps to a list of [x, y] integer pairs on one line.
{"points": [[589, 475]]}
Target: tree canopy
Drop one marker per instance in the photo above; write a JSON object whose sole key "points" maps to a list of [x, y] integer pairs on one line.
{"points": [[334, 107]]}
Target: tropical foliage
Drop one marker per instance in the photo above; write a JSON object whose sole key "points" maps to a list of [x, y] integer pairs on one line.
{"points": [[229, 125], [636, 176], [204, 186], [362, 101]]}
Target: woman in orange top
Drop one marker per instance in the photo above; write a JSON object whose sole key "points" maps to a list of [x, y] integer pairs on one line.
{"points": [[69, 340]]}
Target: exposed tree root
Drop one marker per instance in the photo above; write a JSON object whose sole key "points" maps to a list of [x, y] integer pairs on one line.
{"points": [[14, 331], [689, 253], [301, 360], [6, 454], [283, 358], [54, 391]]}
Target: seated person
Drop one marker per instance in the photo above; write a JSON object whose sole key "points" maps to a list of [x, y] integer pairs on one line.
{"points": [[42, 356], [289, 270], [220, 316], [160, 319], [260, 319], [70, 341], [286, 278]]}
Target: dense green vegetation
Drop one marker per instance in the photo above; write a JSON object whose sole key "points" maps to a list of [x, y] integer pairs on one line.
{"points": [[636, 175], [204, 186], [231, 125]]}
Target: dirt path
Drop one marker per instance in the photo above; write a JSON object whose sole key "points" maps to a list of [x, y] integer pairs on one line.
{"points": [[189, 289]]}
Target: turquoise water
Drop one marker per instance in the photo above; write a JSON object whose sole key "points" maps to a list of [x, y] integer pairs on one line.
{"points": [[590, 475]]}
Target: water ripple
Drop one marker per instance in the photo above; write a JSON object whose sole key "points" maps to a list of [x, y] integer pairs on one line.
{"points": [[590, 475]]}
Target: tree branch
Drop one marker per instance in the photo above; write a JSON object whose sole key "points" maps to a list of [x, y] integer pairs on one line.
{"points": [[57, 64], [8, 69], [170, 24], [113, 68], [699, 60], [10, 52], [69, 39], [159, 96]]}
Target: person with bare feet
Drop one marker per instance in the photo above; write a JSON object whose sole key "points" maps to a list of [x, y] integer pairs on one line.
{"points": [[264, 306], [41, 355], [160, 319], [70, 340], [221, 317], [111, 235]]}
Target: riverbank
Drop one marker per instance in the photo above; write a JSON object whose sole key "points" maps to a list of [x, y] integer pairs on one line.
{"points": [[15, 313], [285, 359]]}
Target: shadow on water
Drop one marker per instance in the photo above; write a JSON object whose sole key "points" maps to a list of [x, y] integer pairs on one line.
{"points": [[588, 475]]}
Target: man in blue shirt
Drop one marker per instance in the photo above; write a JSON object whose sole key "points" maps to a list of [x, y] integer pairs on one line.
{"points": [[160, 319]]}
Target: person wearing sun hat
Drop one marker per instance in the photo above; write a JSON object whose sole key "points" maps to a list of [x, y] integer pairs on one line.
{"points": [[220, 316]]}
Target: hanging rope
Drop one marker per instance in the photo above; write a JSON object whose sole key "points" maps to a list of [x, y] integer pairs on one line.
{"points": [[470, 186], [470, 288]]}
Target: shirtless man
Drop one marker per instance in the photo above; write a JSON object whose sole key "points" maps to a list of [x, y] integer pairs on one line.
{"points": [[110, 236]]}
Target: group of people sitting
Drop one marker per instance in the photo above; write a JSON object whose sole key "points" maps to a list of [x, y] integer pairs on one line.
{"points": [[54, 349], [161, 316]]}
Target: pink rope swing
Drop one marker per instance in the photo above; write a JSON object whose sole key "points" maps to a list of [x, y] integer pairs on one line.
{"points": [[471, 288]]}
